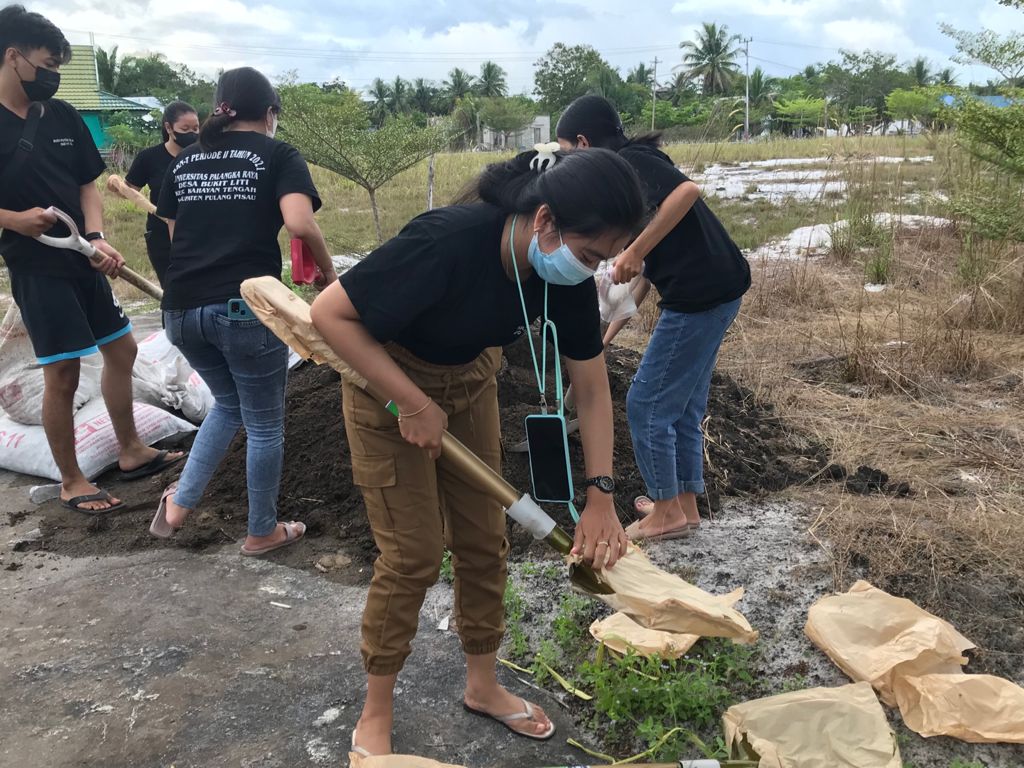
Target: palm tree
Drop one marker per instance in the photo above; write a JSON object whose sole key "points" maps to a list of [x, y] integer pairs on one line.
{"points": [[108, 69], [398, 103], [920, 71], [641, 75], [763, 90], [380, 93], [458, 85], [423, 96], [681, 88], [492, 82], [945, 77], [712, 57]]}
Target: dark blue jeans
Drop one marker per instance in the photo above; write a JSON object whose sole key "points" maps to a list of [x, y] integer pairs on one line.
{"points": [[246, 368], [669, 396]]}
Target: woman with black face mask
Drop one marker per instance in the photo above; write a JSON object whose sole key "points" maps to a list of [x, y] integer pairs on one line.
{"points": [[180, 129]]}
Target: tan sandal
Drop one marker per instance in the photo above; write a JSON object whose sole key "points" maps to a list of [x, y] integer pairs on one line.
{"points": [[160, 527], [293, 531], [644, 505], [635, 534]]}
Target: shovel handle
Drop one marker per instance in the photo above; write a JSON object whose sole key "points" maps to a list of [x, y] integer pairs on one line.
{"points": [[75, 242]]}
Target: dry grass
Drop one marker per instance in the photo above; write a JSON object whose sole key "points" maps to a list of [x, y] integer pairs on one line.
{"points": [[923, 381]]}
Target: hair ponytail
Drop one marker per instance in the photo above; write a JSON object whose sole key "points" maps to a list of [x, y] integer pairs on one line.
{"points": [[243, 94], [596, 118], [587, 192]]}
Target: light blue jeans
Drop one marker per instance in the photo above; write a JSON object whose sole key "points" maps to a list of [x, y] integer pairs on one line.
{"points": [[246, 368], [669, 396]]}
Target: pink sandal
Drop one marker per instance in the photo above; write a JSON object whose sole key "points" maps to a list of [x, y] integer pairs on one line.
{"points": [[160, 527], [644, 505], [293, 531]]}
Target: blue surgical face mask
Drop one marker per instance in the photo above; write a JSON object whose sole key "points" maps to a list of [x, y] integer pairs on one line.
{"points": [[560, 267]]}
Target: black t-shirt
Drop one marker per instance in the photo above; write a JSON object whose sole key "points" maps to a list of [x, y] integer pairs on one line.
{"points": [[440, 290], [225, 206], [696, 266], [149, 170], [65, 159]]}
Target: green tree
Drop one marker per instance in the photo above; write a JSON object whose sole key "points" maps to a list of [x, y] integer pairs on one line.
{"points": [[945, 77], [641, 74], [711, 58], [398, 102], [154, 75], [458, 85], [1003, 53], [920, 71], [107, 69], [424, 96], [493, 81], [330, 130], [801, 113], [561, 75], [507, 116], [466, 120], [918, 104], [380, 98]]}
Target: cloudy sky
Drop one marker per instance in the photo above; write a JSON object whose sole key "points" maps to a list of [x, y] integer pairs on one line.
{"points": [[357, 40]]}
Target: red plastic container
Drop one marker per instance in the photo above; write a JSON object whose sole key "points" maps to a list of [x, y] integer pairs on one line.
{"points": [[304, 268]]}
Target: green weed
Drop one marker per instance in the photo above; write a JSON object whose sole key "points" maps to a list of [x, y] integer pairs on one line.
{"points": [[447, 572], [515, 612]]}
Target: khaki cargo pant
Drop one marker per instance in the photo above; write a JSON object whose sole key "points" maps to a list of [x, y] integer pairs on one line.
{"points": [[416, 507]]}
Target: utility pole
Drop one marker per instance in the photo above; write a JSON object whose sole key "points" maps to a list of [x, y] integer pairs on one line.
{"points": [[746, 101], [654, 92]]}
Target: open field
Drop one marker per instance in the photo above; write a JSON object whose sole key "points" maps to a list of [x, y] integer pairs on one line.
{"points": [[921, 377]]}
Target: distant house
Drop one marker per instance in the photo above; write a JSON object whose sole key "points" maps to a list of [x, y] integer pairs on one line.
{"points": [[538, 132], [1001, 102], [148, 101], [80, 87]]}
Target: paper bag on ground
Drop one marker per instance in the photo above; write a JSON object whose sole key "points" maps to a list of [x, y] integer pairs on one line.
{"points": [[659, 600], [817, 728], [287, 316], [394, 761], [974, 708], [622, 634], [875, 637]]}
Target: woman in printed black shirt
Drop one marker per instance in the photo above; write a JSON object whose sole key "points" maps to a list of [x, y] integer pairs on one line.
{"points": [[226, 199], [700, 275], [180, 128], [423, 318]]}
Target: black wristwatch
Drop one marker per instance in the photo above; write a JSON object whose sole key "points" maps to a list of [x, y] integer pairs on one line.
{"points": [[90, 236], [603, 483]]}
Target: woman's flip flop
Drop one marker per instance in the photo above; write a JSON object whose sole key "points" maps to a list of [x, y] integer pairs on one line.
{"points": [[160, 527], [293, 531], [507, 720], [635, 534]]}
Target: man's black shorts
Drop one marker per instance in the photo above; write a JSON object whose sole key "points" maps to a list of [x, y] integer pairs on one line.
{"points": [[68, 317]]}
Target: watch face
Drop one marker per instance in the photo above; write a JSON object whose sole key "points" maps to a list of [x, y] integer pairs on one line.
{"points": [[605, 484]]}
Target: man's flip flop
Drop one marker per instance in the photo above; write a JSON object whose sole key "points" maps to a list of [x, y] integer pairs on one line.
{"points": [[635, 534], [76, 503], [160, 527], [507, 720], [157, 464], [293, 531]]}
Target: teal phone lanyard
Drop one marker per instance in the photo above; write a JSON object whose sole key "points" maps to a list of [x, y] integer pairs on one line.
{"points": [[541, 371]]}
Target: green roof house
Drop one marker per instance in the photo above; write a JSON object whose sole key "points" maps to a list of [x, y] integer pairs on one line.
{"points": [[80, 87]]}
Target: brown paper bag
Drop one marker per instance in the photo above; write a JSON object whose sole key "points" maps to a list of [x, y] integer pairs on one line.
{"points": [[622, 634], [394, 761], [974, 708], [287, 316], [875, 637], [659, 600], [817, 728]]}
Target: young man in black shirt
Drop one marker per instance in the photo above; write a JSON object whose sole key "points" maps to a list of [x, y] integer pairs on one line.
{"points": [[65, 300]]}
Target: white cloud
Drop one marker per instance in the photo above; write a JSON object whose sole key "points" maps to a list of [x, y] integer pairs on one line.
{"points": [[857, 34]]}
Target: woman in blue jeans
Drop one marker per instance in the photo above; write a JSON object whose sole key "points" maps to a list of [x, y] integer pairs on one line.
{"points": [[226, 199], [701, 276]]}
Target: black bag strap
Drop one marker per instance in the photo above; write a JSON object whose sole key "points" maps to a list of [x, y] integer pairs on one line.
{"points": [[26, 145]]}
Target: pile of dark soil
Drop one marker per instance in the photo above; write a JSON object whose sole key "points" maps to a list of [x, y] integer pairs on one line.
{"points": [[749, 452]]}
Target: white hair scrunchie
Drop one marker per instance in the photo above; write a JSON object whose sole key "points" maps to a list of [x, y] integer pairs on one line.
{"points": [[545, 156]]}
